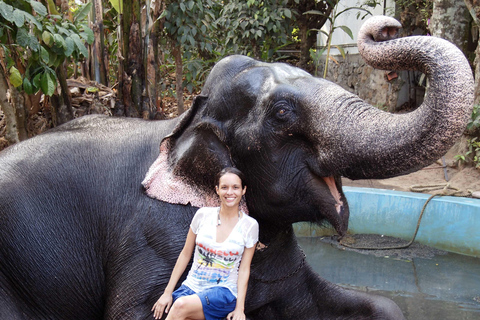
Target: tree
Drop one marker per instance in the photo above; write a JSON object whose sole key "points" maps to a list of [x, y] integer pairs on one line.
{"points": [[308, 24], [36, 42], [188, 26], [473, 7]]}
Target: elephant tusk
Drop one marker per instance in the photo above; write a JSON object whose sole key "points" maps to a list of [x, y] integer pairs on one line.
{"points": [[330, 181]]}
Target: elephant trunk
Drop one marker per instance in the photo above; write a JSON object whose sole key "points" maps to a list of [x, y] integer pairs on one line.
{"points": [[377, 144]]}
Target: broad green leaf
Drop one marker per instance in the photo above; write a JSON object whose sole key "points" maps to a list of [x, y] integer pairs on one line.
{"points": [[27, 40], [47, 38], [15, 77], [37, 80], [70, 46], [288, 13], [6, 11], [39, 8], [82, 12], [117, 4], [52, 8], [87, 34], [59, 41], [47, 84], [80, 45], [27, 86], [92, 89], [19, 17], [62, 30], [33, 20], [191, 39], [44, 55], [182, 6], [347, 31]]}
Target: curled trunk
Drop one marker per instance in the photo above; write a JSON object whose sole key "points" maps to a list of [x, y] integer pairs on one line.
{"points": [[376, 144]]}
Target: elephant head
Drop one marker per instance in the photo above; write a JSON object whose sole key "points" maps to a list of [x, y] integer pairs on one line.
{"points": [[294, 135]]}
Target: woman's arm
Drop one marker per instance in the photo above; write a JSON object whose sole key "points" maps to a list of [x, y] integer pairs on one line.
{"points": [[242, 284], [165, 300]]}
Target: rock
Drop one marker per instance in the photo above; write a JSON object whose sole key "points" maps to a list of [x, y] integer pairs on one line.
{"points": [[476, 194]]}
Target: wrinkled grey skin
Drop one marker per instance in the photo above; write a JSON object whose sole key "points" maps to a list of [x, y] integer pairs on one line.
{"points": [[80, 239]]}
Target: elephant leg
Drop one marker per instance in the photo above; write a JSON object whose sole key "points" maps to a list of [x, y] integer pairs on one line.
{"points": [[140, 265]]}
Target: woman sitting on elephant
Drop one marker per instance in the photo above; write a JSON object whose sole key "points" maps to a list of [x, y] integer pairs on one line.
{"points": [[224, 240]]}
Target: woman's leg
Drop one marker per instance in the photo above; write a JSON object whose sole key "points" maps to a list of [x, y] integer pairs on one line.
{"points": [[186, 308]]}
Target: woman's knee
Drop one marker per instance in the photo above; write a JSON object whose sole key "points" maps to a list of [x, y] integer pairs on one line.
{"points": [[180, 308]]}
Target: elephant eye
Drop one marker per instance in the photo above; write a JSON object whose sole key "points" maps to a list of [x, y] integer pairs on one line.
{"points": [[282, 110]]}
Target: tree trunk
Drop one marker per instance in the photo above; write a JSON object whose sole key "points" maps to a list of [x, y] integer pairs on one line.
{"points": [[177, 52], [474, 8], [119, 109], [450, 22], [61, 103], [132, 79], [11, 135], [307, 22], [98, 68]]}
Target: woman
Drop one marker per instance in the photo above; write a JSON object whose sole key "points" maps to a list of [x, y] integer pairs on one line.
{"points": [[224, 240]]}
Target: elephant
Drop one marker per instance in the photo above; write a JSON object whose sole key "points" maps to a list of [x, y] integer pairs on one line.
{"points": [[93, 213]]}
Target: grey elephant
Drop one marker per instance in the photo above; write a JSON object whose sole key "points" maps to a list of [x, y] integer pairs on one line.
{"points": [[93, 215]]}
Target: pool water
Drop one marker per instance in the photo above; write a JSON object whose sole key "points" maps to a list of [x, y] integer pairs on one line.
{"points": [[444, 287]]}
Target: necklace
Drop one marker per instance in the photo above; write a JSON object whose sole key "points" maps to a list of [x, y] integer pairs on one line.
{"points": [[219, 222]]}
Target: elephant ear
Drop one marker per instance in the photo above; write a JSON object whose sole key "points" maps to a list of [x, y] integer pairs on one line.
{"points": [[190, 157]]}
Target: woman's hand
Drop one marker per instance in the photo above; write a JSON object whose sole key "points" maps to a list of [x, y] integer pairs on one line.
{"points": [[163, 304], [236, 315]]}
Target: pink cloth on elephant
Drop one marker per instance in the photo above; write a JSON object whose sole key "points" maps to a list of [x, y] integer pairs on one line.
{"points": [[163, 184]]}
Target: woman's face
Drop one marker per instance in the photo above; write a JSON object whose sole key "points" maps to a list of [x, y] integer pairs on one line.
{"points": [[230, 190]]}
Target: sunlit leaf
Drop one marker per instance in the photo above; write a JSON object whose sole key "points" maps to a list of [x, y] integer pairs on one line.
{"points": [[15, 77], [117, 4], [51, 7], [47, 38]]}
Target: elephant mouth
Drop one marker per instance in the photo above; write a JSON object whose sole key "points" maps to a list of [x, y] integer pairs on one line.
{"points": [[330, 181], [335, 209]]}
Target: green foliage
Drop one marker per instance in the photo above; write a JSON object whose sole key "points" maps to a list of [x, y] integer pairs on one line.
{"points": [[40, 42], [257, 28], [423, 7], [472, 156], [190, 23], [474, 122]]}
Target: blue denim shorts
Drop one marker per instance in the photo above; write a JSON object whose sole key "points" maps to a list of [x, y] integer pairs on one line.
{"points": [[217, 302]]}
